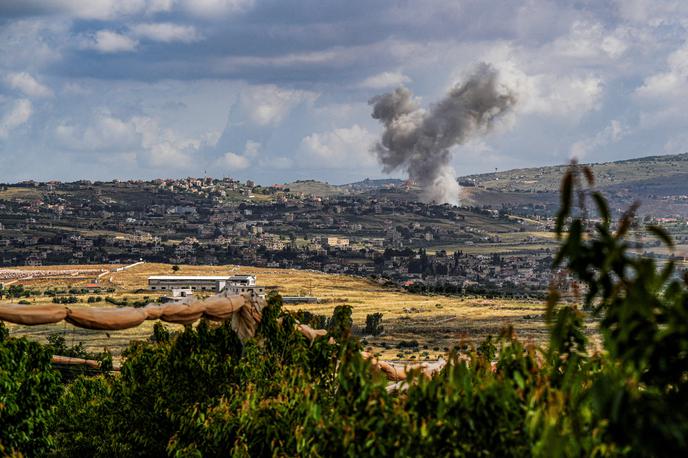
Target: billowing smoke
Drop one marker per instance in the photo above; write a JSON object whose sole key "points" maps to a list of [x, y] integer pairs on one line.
{"points": [[420, 141]]}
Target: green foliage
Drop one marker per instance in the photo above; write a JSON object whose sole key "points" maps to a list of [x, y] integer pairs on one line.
{"points": [[57, 345], [4, 332], [202, 392], [17, 291], [29, 387], [65, 299], [341, 322], [642, 309], [374, 324]]}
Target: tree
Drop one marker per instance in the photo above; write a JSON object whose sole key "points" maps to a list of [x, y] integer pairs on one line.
{"points": [[175, 268], [29, 387], [374, 324]]}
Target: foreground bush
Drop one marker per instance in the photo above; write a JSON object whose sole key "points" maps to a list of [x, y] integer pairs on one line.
{"points": [[202, 392]]}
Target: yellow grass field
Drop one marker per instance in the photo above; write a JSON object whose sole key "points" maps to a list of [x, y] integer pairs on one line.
{"points": [[436, 322]]}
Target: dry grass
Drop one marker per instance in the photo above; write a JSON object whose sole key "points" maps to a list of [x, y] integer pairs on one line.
{"points": [[435, 321]]}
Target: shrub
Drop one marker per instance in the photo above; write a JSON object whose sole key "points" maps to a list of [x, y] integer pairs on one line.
{"points": [[203, 392]]}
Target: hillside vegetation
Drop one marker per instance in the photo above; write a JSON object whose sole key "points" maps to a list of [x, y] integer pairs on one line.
{"points": [[203, 392]]}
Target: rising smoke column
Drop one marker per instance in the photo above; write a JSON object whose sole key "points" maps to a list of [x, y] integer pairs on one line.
{"points": [[419, 141]]}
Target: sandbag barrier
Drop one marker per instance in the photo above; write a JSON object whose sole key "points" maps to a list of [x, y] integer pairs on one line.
{"points": [[244, 311]]}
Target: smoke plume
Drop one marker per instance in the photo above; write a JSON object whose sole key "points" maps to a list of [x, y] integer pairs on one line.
{"points": [[419, 141]]}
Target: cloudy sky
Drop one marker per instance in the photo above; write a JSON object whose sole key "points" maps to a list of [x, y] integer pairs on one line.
{"points": [[278, 90]]}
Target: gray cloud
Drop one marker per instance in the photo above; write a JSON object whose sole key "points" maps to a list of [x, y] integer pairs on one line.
{"points": [[234, 69]]}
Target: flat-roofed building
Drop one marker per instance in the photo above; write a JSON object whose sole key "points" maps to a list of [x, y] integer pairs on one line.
{"points": [[243, 289], [215, 283]]}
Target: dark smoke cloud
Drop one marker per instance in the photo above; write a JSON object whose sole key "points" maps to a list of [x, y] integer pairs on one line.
{"points": [[420, 141]]}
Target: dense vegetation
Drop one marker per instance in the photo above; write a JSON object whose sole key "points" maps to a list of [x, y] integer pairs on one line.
{"points": [[203, 392]]}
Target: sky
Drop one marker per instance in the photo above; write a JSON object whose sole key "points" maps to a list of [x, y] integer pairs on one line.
{"points": [[279, 90]]}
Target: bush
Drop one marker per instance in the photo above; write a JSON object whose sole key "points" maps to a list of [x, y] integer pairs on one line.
{"points": [[202, 392]]}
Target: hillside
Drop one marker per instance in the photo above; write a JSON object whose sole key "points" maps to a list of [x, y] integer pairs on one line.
{"points": [[627, 173], [659, 183], [314, 188], [323, 189]]}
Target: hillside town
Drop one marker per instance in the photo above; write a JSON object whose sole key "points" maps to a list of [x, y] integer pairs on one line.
{"points": [[365, 230]]}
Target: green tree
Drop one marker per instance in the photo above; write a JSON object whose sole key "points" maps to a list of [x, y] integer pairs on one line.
{"points": [[374, 324], [29, 387]]}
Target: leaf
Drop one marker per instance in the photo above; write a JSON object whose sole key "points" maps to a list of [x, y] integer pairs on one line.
{"points": [[587, 171], [602, 206], [566, 196], [661, 234], [519, 380], [626, 220]]}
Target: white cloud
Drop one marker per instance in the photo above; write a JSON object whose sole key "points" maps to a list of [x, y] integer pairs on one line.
{"points": [[27, 84], [166, 32], [653, 12], [252, 148], [614, 132], [108, 41], [153, 146], [268, 105], [566, 96], [233, 161], [342, 148], [384, 80], [32, 43], [163, 148], [589, 41], [671, 82], [105, 133], [213, 8], [17, 115]]}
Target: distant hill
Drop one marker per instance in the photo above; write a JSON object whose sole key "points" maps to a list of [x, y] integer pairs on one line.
{"points": [[627, 173], [368, 184], [660, 183], [322, 189], [314, 188]]}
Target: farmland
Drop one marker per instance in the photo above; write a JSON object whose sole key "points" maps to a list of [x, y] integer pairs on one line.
{"points": [[436, 322]]}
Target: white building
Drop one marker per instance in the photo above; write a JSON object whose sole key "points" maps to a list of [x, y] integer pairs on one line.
{"points": [[215, 283]]}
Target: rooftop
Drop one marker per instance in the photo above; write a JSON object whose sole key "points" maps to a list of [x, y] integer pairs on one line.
{"points": [[200, 277]]}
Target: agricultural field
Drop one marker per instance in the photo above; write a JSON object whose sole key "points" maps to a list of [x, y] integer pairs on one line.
{"points": [[437, 323]]}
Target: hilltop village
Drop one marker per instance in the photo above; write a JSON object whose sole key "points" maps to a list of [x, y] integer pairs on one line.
{"points": [[370, 229]]}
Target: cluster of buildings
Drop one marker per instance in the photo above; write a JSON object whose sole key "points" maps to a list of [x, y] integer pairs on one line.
{"points": [[368, 232]]}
